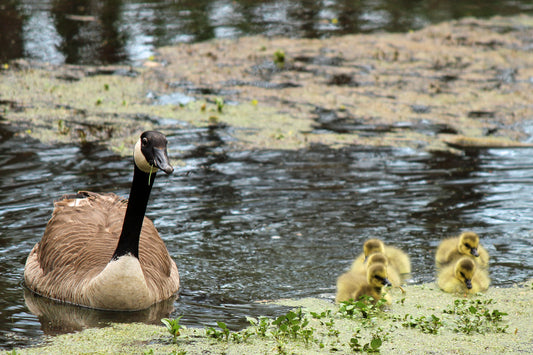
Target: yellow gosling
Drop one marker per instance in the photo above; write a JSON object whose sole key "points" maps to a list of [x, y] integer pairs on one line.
{"points": [[467, 244], [370, 247], [379, 258], [352, 285], [463, 277], [398, 260]]}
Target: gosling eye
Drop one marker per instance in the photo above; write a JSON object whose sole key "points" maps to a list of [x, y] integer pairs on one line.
{"points": [[463, 275], [468, 245]]}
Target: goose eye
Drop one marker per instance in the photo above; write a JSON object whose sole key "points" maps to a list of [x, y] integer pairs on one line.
{"points": [[144, 141], [463, 275]]}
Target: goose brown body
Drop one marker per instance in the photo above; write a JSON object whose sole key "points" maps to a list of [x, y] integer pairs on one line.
{"points": [[61, 267], [92, 254]]}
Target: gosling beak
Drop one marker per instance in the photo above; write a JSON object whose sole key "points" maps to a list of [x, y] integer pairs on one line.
{"points": [[468, 284], [386, 282], [474, 252], [161, 160]]}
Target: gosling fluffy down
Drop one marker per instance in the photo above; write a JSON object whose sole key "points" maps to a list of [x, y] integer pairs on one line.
{"points": [[463, 277], [353, 285], [398, 260], [379, 258], [466, 244]]}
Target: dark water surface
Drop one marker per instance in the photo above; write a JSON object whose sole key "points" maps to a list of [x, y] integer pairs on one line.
{"points": [[94, 32], [255, 225]]}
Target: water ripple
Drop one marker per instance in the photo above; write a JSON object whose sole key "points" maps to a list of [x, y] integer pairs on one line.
{"points": [[255, 225]]}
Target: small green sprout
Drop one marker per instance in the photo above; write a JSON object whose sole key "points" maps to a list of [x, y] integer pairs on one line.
{"points": [[219, 102], [279, 58], [222, 334], [173, 326]]}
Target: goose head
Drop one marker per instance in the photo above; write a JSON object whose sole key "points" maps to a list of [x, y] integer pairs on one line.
{"points": [[377, 276], [372, 246], [464, 271], [468, 243], [150, 153]]}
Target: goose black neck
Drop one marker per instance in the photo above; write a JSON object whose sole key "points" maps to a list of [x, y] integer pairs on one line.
{"points": [[141, 186]]}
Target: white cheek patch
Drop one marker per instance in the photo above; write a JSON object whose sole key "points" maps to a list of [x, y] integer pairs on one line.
{"points": [[141, 161]]}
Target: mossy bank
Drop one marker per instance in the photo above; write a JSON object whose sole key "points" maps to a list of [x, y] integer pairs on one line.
{"points": [[422, 320]]}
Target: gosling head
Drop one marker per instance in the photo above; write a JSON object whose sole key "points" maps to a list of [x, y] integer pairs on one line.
{"points": [[372, 246], [468, 243], [150, 153], [377, 258], [377, 276], [464, 271]]}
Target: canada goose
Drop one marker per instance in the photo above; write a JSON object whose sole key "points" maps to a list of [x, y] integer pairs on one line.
{"points": [[379, 258], [463, 277], [100, 251], [398, 260], [467, 244], [353, 285]]}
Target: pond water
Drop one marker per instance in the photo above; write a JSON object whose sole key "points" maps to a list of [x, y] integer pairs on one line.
{"points": [[267, 224], [92, 32]]}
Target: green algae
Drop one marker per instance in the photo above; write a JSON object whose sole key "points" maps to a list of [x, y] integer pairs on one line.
{"points": [[420, 300], [453, 69]]}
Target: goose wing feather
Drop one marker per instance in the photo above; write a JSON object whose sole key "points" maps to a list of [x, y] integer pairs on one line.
{"points": [[66, 259]]}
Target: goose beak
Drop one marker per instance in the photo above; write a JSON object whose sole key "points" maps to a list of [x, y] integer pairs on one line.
{"points": [[474, 252], [468, 284], [161, 160], [386, 282]]}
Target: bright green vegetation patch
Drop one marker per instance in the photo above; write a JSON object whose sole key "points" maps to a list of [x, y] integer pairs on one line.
{"points": [[421, 320]]}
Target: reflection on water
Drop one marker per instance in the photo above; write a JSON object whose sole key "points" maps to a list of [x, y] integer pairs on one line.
{"points": [[58, 318], [257, 225], [92, 32]]}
